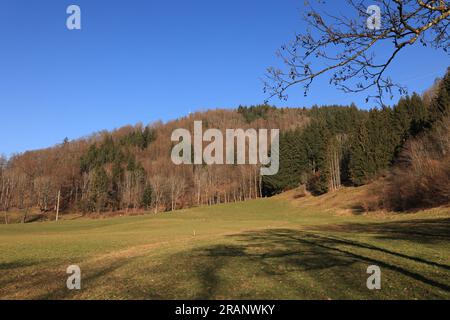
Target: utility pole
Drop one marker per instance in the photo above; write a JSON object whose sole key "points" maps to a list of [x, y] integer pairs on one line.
{"points": [[57, 205]]}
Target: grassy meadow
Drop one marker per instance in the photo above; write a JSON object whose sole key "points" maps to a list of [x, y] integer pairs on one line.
{"points": [[278, 248]]}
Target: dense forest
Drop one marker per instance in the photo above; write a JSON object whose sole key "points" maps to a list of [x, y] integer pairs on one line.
{"points": [[321, 148], [407, 145]]}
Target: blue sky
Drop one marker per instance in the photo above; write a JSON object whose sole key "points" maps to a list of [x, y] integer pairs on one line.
{"points": [[146, 60]]}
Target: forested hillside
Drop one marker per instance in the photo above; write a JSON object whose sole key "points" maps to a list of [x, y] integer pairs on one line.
{"points": [[345, 146], [130, 168], [321, 148]]}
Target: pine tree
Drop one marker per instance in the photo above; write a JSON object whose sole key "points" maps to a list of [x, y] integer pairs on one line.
{"points": [[440, 106], [99, 189], [147, 196], [293, 164], [383, 141], [317, 138], [402, 119], [418, 115], [360, 167]]}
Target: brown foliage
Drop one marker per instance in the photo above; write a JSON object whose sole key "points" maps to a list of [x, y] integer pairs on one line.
{"points": [[422, 178], [33, 179]]}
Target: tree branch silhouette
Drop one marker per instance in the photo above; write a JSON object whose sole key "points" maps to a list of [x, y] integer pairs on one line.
{"points": [[346, 49]]}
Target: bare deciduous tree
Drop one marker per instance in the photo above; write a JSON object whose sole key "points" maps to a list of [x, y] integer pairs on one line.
{"points": [[158, 186], [345, 48], [176, 186]]}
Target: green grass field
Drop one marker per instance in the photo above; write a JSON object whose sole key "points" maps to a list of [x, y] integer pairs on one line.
{"points": [[262, 249]]}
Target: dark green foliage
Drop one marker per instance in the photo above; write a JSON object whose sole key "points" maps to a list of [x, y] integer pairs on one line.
{"points": [[131, 165], [89, 160], [97, 156], [316, 139], [410, 118], [139, 138], [382, 140], [147, 196], [440, 106], [105, 191], [255, 112], [304, 154], [360, 144], [338, 119], [419, 115], [293, 165], [318, 184], [374, 145], [99, 189], [378, 140], [358, 162]]}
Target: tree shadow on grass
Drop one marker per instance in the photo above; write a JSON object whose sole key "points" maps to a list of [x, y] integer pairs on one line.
{"points": [[89, 279], [263, 257], [420, 230], [286, 253], [7, 269], [216, 258], [362, 245], [15, 265], [306, 264]]}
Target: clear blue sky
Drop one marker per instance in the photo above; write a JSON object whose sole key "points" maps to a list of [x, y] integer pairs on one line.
{"points": [[147, 60]]}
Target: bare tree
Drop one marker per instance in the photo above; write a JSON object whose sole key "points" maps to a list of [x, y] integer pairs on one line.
{"points": [[4, 186], [176, 186], [344, 46], [200, 178], [158, 186], [44, 192]]}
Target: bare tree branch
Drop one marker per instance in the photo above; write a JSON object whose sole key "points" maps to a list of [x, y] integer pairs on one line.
{"points": [[345, 47]]}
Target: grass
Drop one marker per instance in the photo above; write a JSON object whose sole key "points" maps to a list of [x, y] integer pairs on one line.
{"points": [[276, 248]]}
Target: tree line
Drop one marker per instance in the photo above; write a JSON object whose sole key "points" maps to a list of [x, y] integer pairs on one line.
{"points": [[321, 148], [130, 169], [348, 146]]}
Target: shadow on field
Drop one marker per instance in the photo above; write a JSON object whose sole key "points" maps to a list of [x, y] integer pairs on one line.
{"points": [[421, 230], [286, 253], [89, 281], [15, 265], [271, 254], [7, 268], [280, 264]]}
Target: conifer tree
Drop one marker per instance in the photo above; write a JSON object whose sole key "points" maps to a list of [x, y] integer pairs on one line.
{"points": [[359, 162], [440, 106], [419, 115], [99, 189], [147, 196]]}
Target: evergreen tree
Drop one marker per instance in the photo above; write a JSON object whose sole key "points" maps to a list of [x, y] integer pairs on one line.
{"points": [[99, 189], [147, 196], [360, 168], [418, 115], [440, 106], [317, 138], [402, 119], [317, 155], [382, 140], [293, 165], [253, 113]]}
